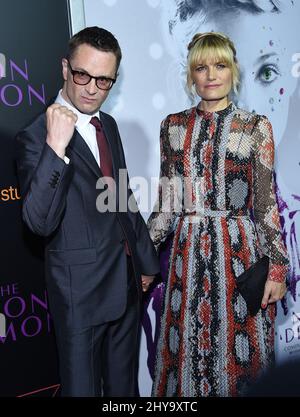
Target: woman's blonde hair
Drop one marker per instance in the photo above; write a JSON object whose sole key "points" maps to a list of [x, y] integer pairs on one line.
{"points": [[214, 46]]}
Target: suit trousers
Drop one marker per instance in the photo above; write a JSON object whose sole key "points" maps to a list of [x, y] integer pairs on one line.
{"points": [[102, 360]]}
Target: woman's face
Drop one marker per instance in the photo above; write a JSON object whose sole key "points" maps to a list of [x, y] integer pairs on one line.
{"points": [[264, 52], [213, 80]]}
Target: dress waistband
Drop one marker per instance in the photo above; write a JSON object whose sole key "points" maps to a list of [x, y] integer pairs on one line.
{"points": [[214, 213]]}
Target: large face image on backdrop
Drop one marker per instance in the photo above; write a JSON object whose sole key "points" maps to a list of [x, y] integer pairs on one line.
{"points": [[265, 36]]}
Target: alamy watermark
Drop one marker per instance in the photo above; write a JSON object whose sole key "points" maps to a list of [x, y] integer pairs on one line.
{"points": [[2, 325], [2, 66], [296, 66], [176, 195]]}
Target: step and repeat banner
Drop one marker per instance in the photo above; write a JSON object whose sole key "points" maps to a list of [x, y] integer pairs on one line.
{"points": [[153, 35], [33, 37]]}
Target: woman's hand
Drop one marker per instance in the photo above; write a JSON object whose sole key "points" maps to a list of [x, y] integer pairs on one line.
{"points": [[274, 291]]}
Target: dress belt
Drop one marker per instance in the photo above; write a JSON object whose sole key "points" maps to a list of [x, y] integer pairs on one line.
{"points": [[213, 213]]}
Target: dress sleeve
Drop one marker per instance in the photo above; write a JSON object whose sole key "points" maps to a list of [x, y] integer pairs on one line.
{"points": [[265, 207], [161, 220]]}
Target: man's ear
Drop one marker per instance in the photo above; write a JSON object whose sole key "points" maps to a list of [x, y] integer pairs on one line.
{"points": [[64, 63]]}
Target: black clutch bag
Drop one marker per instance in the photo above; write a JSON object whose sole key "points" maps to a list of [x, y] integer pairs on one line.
{"points": [[251, 284]]}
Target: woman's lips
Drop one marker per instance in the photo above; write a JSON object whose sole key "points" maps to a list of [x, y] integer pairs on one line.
{"points": [[213, 85]]}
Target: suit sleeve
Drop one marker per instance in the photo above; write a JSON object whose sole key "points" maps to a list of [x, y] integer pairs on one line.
{"points": [[265, 207], [44, 180]]}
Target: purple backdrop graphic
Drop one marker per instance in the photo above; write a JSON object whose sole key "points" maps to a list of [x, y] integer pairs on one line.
{"points": [[11, 94], [26, 314], [156, 296], [33, 38]]}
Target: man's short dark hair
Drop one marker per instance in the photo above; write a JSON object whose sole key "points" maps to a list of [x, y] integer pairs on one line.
{"points": [[99, 38]]}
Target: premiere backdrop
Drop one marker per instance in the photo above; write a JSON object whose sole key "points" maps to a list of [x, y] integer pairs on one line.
{"points": [[33, 37], [153, 35]]}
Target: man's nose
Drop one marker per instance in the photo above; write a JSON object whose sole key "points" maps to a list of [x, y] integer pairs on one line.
{"points": [[91, 87]]}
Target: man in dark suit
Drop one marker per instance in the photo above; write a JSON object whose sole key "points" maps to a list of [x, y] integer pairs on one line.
{"points": [[97, 261]]}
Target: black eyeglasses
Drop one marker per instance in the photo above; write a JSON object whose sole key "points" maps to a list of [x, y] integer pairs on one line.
{"points": [[83, 78]]}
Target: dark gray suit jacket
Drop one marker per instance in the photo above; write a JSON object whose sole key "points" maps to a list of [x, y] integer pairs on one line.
{"points": [[86, 271]]}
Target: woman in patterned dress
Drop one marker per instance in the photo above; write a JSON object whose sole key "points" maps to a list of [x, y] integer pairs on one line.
{"points": [[224, 218]]}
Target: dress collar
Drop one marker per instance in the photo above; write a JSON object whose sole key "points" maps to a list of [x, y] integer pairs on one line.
{"points": [[220, 113]]}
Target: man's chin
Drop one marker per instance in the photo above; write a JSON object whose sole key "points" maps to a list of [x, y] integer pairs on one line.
{"points": [[88, 109]]}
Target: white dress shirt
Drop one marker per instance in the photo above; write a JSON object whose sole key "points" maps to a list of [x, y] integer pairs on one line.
{"points": [[83, 126]]}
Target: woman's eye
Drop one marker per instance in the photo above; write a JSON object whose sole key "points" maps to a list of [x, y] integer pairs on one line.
{"points": [[221, 66], [200, 68], [267, 74]]}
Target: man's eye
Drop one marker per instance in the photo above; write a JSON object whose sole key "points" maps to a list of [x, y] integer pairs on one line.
{"points": [[103, 80], [81, 74], [267, 74]]}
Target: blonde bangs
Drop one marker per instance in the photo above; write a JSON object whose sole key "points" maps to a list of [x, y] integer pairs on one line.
{"points": [[211, 53]]}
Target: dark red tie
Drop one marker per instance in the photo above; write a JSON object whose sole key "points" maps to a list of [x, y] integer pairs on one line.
{"points": [[105, 156], [103, 146]]}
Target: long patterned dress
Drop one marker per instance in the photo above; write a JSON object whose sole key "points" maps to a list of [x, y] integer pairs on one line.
{"points": [[209, 345]]}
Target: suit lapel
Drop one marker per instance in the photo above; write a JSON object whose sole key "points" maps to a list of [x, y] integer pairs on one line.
{"points": [[79, 146], [112, 140]]}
